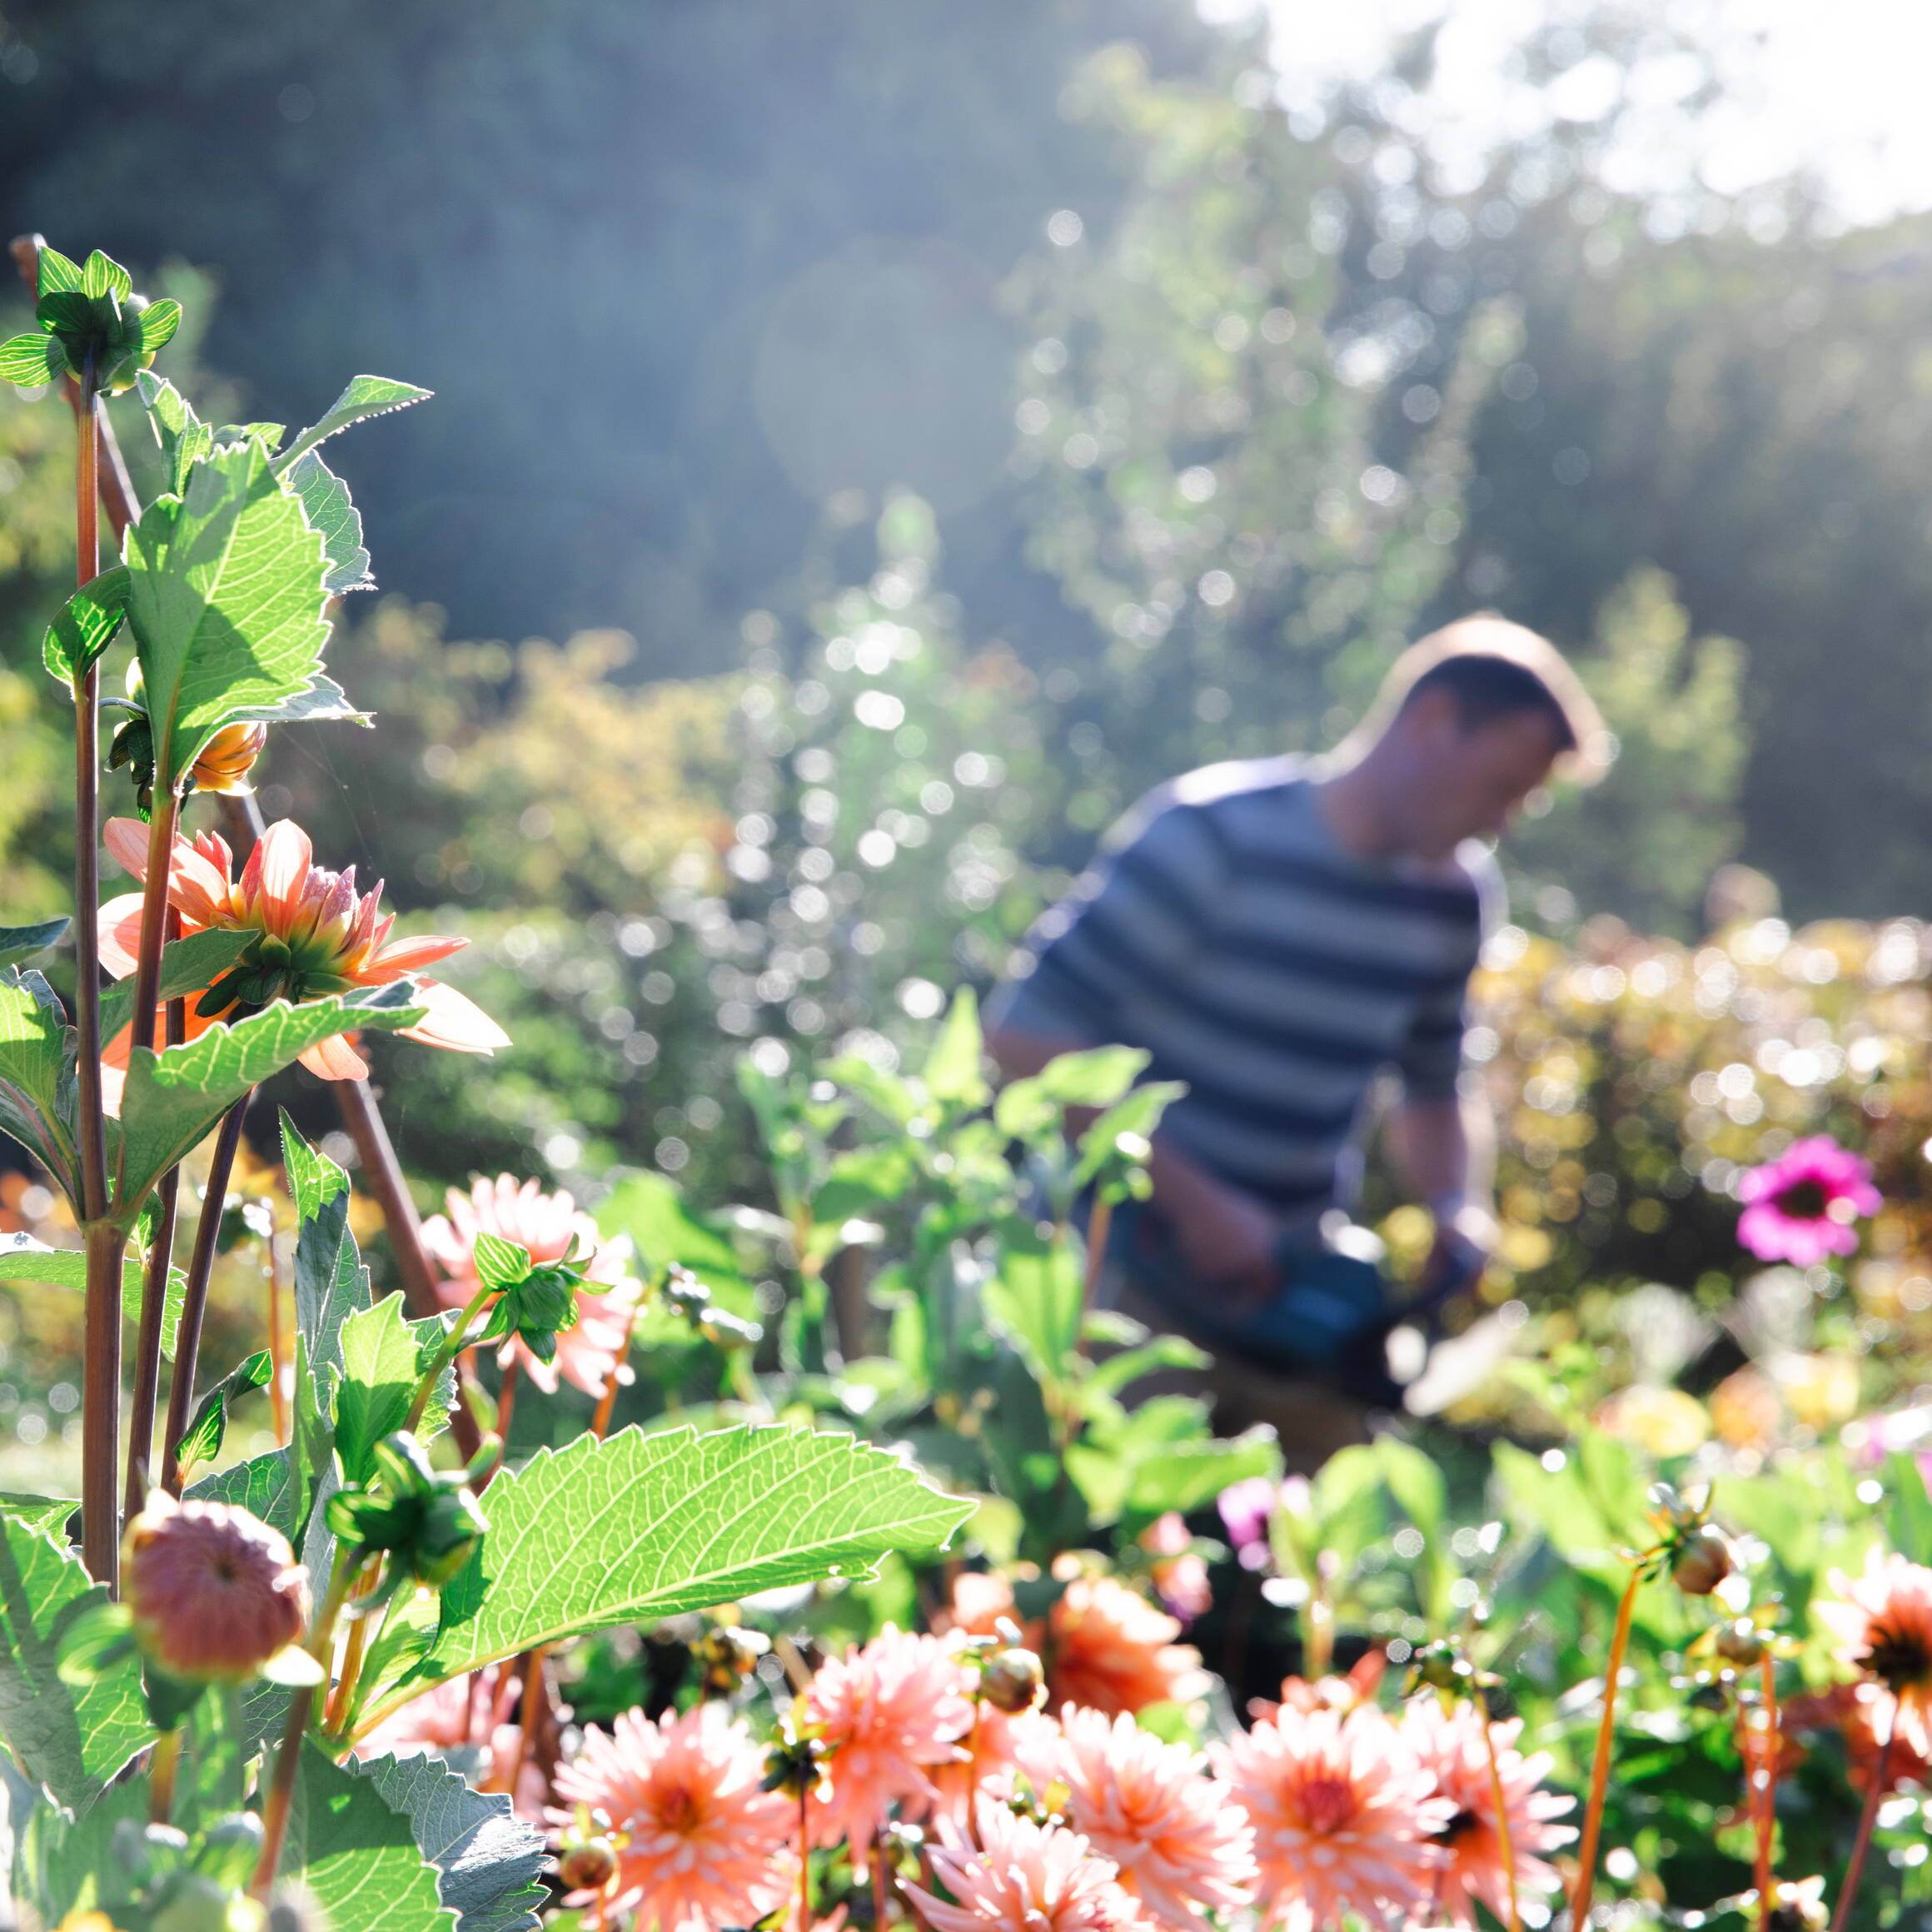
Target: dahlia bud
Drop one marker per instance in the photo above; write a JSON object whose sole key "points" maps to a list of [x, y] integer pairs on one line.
{"points": [[1740, 1642], [588, 1866], [726, 1655], [213, 1592], [428, 1518], [1701, 1561], [1012, 1681], [195, 1903], [228, 757]]}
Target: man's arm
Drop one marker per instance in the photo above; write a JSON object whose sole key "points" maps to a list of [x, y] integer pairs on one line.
{"points": [[1445, 1149], [1226, 1235]]}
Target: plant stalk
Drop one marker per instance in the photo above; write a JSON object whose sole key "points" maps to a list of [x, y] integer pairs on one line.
{"points": [[161, 1770], [1600, 1770], [288, 1758], [154, 1293], [1502, 1825], [1867, 1817], [278, 1390], [1764, 1790], [181, 1393], [154, 917], [445, 1353]]}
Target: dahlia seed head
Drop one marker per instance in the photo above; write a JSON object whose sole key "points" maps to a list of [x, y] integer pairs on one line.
{"points": [[588, 1867], [214, 1592], [1739, 1642], [1012, 1681]]}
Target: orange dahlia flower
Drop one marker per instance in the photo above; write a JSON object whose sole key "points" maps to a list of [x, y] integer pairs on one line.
{"points": [[226, 761], [316, 935], [888, 1715], [1452, 1750], [547, 1226], [1862, 1715], [1114, 1651], [1346, 1817], [699, 1845], [1024, 1877], [1885, 1628], [1182, 1849]]}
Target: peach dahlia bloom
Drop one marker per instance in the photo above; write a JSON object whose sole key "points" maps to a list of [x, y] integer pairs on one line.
{"points": [[1451, 1746], [1345, 1816], [316, 935], [1112, 1650], [889, 1714], [1885, 1628], [699, 1846], [1182, 1849], [1024, 1877], [546, 1225]]}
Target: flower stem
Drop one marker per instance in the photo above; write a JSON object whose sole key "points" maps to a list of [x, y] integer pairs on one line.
{"points": [[1764, 1788], [154, 917], [1099, 1225], [444, 1355], [160, 1769], [154, 1295], [880, 1883], [1502, 1824], [100, 1375], [1600, 1770], [288, 1758], [531, 1711], [1869, 1817], [278, 1348], [506, 1404], [181, 1393]]}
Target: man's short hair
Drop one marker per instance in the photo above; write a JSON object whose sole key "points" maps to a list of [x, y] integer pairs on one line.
{"points": [[1492, 668]]}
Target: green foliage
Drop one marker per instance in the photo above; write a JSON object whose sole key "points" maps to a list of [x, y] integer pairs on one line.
{"points": [[86, 625], [225, 601], [366, 397], [19, 942], [209, 1428], [175, 1097], [357, 1854], [72, 1741]]}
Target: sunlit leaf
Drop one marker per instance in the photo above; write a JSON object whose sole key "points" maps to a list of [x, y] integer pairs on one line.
{"points": [[209, 1429], [326, 502], [19, 942], [355, 1855], [226, 603], [31, 361], [366, 397], [35, 1072], [641, 1528], [384, 1355]]}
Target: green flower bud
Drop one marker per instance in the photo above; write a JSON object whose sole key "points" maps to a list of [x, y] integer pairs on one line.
{"points": [[1701, 1561], [428, 1519]]}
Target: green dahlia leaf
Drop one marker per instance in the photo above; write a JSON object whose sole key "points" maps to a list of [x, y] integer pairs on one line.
{"points": [[173, 1098], [263, 1485], [84, 626], [322, 702], [366, 395], [19, 942], [313, 1178], [35, 1074], [356, 1854], [952, 1070], [641, 1527], [226, 603], [209, 1429], [184, 438], [187, 966], [24, 1259], [489, 1863], [32, 362], [72, 1740], [326, 502], [384, 1354]]}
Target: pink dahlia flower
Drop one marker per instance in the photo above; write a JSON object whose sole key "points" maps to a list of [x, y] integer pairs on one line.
{"points": [[1451, 1746], [1884, 1625], [1182, 1850], [1024, 1877], [546, 1225], [313, 934], [468, 1714], [1108, 1648], [699, 1845], [1346, 1816], [889, 1714], [1800, 1207]]}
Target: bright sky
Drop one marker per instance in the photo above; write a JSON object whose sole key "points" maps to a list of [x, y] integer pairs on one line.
{"points": [[1834, 85]]}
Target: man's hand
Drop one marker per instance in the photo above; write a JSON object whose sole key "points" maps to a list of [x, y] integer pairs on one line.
{"points": [[1228, 1238], [1465, 1239]]}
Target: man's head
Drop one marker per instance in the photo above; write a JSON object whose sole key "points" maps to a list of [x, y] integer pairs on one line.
{"points": [[1472, 719]]}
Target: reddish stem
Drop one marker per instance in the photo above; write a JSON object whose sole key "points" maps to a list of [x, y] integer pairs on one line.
{"points": [[1869, 1817], [1600, 1770], [1764, 1788], [181, 1393]]}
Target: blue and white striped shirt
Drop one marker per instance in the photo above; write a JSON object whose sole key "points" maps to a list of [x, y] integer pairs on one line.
{"points": [[1225, 930]]}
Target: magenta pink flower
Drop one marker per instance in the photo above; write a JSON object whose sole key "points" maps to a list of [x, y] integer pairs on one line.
{"points": [[1800, 1207], [546, 1225]]}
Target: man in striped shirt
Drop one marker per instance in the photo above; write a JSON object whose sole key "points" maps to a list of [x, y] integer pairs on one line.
{"points": [[1275, 933]]}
